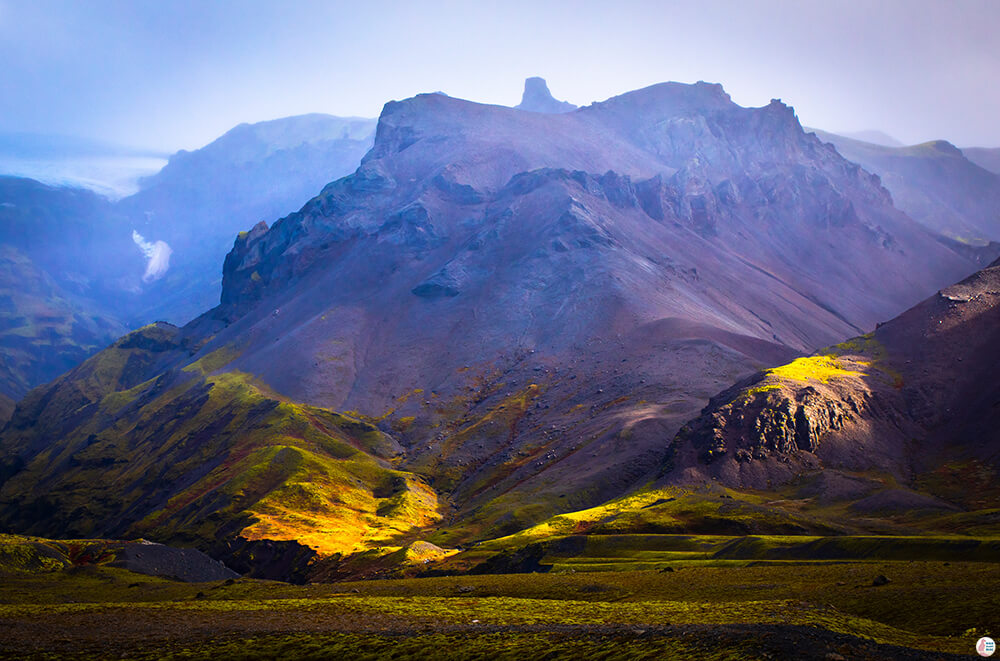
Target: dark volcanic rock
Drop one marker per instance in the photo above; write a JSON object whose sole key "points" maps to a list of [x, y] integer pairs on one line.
{"points": [[190, 565], [526, 560], [286, 561]]}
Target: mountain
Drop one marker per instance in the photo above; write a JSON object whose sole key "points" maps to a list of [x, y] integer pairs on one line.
{"points": [[6, 408], [44, 330], [935, 184], [538, 98], [916, 401], [498, 317], [79, 269], [199, 201], [61, 254], [872, 137], [986, 158]]}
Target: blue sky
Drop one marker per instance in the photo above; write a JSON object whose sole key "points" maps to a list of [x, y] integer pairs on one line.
{"points": [[176, 74]]}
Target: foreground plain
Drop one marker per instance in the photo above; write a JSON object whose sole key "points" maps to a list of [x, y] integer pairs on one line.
{"points": [[822, 610]]}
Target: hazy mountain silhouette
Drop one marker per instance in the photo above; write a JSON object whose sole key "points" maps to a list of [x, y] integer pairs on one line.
{"points": [[935, 183], [82, 269], [986, 158]]}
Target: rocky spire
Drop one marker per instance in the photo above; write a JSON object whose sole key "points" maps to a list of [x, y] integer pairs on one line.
{"points": [[538, 98]]}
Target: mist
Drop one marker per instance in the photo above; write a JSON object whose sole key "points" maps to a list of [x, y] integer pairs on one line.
{"points": [[175, 75], [157, 254]]}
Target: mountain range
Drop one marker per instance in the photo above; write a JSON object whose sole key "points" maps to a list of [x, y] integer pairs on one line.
{"points": [[503, 315], [935, 183], [82, 269]]}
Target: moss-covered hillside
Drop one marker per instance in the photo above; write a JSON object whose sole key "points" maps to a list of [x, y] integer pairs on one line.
{"points": [[199, 457]]}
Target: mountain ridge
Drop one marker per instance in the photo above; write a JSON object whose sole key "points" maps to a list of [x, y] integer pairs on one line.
{"points": [[935, 183]]}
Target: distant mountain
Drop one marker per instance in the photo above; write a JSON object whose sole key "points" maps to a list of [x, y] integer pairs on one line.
{"points": [[44, 330], [498, 317], [916, 400], [63, 256], [988, 159], [202, 199], [6, 408], [873, 137], [537, 98], [935, 184], [80, 269]]}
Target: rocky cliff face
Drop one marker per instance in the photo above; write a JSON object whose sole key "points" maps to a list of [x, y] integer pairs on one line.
{"points": [[910, 399]]}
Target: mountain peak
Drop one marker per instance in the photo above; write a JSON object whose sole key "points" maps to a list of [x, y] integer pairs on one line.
{"points": [[538, 98]]}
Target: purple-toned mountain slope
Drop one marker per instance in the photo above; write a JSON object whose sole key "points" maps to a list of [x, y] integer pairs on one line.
{"points": [[624, 258]]}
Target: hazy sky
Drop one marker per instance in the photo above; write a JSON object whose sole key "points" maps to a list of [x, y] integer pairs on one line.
{"points": [[176, 74]]}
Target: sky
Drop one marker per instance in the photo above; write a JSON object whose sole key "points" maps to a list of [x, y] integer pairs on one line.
{"points": [[176, 74]]}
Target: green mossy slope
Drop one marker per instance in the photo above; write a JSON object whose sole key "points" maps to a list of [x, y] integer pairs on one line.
{"points": [[197, 457]]}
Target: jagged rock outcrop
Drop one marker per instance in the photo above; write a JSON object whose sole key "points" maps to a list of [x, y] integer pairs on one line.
{"points": [[538, 98], [907, 399]]}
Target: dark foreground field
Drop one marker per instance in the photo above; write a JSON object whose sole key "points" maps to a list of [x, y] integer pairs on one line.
{"points": [[811, 610]]}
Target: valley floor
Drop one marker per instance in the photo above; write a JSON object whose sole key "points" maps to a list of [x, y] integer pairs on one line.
{"points": [[802, 610]]}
